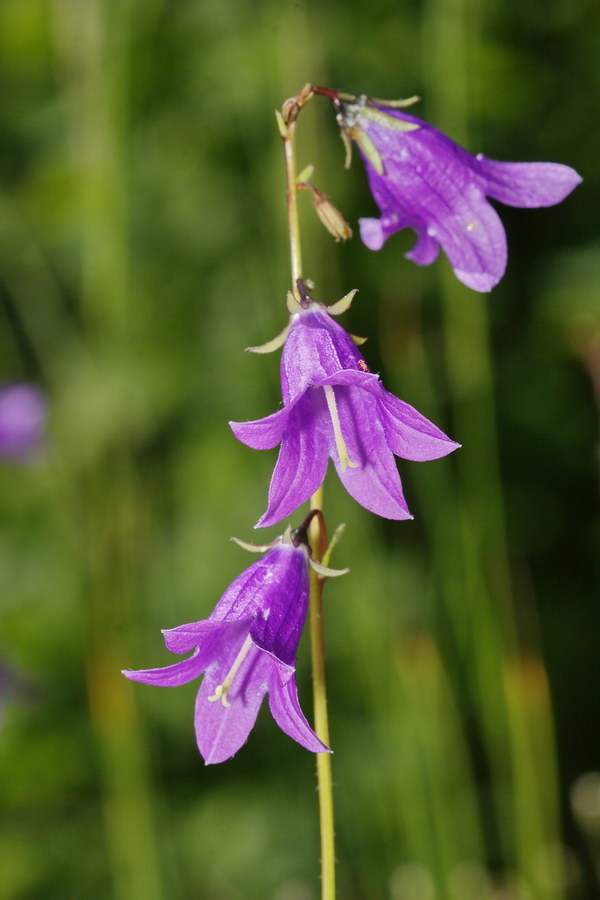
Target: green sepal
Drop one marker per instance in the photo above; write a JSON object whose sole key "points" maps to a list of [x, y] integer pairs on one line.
{"points": [[306, 174], [293, 304], [255, 548], [341, 306], [359, 341], [377, 115], [283, 131], [348, 145], [332, 543], [369, 149], [395, 104], [325, 571], [272, 345]]}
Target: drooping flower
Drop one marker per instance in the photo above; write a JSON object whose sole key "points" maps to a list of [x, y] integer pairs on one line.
{"points": [[247, 648], [334, 407], [421, 179], [23, 414]]}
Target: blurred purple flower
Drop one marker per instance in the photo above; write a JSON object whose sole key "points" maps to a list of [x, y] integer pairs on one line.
{"points": [[247, 648], [421, 179], [22, 420], [334, 407]]}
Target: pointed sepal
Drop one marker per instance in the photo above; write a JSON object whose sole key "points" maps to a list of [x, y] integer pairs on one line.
{"points": [[272, 345], [395, 104], [358, 340], [368, 148], [337, 534], [255, 548], [293, 304], [382, 118], [348, 145], [283, 131], [343, 305], [306, 174], [325, 571]]}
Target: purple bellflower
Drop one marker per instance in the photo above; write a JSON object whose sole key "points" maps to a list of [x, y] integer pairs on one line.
{"points": [[335, 408], [247, 648], [22, 419], [421, 179]]}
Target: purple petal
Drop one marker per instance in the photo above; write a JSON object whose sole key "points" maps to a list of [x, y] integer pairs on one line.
{"points": [[527, 184], [259, 587], [375, 232], [170, 676], [263, 434], [374, 482], [222, 730], [302, 461], [285, 709], [204, 634], [473, 239], [316, 347], [409, 434], [278, 627], [354, 377], [425, 251], [372, 233]]}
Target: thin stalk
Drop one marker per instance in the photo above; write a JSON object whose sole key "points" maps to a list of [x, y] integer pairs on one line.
{"points": [[317, 644], [289, 149], [287, 127]]}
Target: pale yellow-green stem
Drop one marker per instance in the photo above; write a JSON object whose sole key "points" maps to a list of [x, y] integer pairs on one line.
{"points": [[292, 206], [287, 127], [317, 644]]}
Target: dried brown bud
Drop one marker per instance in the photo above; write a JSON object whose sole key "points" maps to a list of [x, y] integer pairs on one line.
{"points": [[329, 214]]}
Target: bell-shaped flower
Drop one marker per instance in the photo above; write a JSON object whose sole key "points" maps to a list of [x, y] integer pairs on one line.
{"points": [[334, 407], [246, 649], [420, 179], [23, 413]]}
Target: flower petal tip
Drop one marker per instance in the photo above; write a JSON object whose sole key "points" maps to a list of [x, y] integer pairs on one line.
{"points": [[371, 233], [266, 520], [478, 281], [216, 761]]}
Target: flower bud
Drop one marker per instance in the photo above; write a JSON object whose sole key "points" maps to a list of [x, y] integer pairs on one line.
{"points": [[329, 214]]}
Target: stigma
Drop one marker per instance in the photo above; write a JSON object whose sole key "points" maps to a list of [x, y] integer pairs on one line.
{"points": [[340, 443]]}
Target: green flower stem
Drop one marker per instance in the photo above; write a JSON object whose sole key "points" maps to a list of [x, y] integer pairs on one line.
{"points": [[317, 643], [287, 127], [289, 148]]}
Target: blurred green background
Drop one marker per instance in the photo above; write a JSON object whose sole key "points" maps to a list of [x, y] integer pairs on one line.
{"points": [[142, 247]]}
